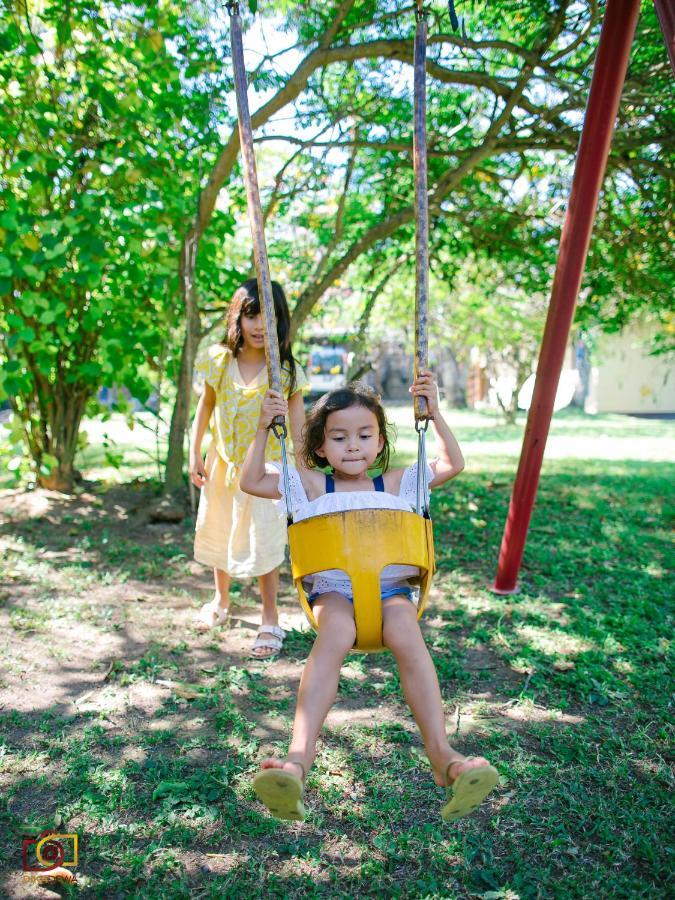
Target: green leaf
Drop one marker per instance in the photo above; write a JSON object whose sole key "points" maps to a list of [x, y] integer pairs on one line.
{"points": [[33, 272], [49, 462], [14, 321], [170, 788], [8, 220]]}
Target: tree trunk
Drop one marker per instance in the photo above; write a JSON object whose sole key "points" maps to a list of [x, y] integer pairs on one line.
{"points": [[453, 379], [173, 478], [59, 439]]}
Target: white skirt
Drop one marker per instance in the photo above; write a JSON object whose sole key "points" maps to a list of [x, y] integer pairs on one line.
{"points": [[243, 535]]}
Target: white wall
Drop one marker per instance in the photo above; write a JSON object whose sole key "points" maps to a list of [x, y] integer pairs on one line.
{"points": [[625, 379]]}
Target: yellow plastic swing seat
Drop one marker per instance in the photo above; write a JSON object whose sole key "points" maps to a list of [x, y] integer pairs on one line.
{"points": [[361, 542]]}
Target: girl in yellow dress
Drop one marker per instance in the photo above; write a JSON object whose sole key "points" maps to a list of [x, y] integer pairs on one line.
{"points": [[242, 536]]}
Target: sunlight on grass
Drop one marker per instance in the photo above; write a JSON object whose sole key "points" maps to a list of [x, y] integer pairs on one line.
{"points": [[117, 453], [550, 642], [562, 686], [573, 435]]}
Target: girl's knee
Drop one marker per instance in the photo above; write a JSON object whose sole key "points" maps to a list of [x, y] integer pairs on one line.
{"points": [[337, 630], [337, 640], [401, 633]]}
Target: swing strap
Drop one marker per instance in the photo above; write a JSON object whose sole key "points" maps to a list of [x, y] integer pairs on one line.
{"points": [[378, 481], [421, 249], [421, 235], [260, 258]]}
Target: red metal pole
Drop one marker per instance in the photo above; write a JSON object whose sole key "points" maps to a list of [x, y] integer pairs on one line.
{"points": [[665, 10], [609, 73]]}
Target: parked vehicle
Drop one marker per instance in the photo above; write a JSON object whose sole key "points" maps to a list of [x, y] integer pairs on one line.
{"points": [[327, 369]]}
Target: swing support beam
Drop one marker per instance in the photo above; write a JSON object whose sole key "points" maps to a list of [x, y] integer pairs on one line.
{"points": [[609, 73], [665, 10]]}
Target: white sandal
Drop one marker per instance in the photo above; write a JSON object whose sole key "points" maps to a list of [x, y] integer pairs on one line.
{"points": [[211, 614], [274, 643]]}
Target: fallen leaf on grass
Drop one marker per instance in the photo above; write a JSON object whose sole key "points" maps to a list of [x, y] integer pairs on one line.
{"points": [[169, 788], [186, 691], [111, 668], [84, 697], [563, 665]]}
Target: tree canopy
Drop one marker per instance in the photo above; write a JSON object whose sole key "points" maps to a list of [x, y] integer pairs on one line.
{"points": [[123, 210]]}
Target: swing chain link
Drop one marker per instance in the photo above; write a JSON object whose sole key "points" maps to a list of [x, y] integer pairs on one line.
{"points": [[279, 430], [422, 487]]}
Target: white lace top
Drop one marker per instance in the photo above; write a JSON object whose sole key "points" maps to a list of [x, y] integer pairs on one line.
{"points": [[340, 501]]}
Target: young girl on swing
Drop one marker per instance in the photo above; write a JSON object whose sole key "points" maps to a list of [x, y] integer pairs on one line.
{"points": [[238, 535], [347, 430]]}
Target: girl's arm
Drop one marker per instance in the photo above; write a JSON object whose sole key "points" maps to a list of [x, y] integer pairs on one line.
{"points": [[205, 407], [254, 479], [450, 461]]}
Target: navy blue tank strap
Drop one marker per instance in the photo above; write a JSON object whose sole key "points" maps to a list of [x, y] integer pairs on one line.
{"points": [[330, 484], [378, 481]]}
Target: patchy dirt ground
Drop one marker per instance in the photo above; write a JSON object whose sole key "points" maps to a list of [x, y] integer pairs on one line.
{"points": [[124, 723]]}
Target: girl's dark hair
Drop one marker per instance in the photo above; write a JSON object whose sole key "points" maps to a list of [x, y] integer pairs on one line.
{"points": [[355, 394], [246, 302]]}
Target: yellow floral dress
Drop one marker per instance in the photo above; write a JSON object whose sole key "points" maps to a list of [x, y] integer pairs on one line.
{"points": [[241, 534]]}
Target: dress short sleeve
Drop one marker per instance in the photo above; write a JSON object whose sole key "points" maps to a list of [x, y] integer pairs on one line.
{"points": [[210, 365], [301, 380], [298, 495], [408, 489]]}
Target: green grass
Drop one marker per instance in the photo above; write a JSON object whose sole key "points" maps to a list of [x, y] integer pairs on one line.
{"points": [[563, 685]]}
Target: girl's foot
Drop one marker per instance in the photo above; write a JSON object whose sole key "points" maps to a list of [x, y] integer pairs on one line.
{"points": [[294, 766], [212, 614], [280, 785], [268, 642], [468, 781]]}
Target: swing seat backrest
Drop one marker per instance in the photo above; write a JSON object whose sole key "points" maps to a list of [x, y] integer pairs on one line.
{"points": [[361, 542]]}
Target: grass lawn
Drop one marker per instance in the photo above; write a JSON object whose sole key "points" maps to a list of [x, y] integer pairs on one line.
{"points": [[120, 722]]}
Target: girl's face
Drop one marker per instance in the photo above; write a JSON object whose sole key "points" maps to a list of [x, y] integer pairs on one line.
{"points": [[252, 331], [351, 441]]}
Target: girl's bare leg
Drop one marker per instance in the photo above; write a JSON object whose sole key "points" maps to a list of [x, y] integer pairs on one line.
{"points": [[222, 583], [319, 682], [402, 635], [269, 588]]}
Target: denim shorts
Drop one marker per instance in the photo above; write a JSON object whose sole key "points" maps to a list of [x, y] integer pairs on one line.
{"points": [[390, 592]]}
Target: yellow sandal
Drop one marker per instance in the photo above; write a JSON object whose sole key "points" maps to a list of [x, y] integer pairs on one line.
{"points": [[281, 791], [468, 790]]}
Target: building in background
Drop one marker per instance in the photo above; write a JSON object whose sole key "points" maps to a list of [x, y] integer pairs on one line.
{"points": [[617, 376]]}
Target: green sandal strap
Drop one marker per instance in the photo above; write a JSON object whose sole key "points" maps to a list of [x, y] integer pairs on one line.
{"points": [[296, 762]]}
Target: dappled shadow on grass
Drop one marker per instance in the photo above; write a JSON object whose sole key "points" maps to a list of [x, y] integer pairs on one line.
{"points": [[143, 734], [104, 532], [593, 612]]}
